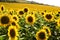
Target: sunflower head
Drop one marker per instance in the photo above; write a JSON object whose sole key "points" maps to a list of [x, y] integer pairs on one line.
{"points": [[25, 9], [58, 22], [5, 19], [30, 19], [15, 18], [42, 13], [12, 32], [20, 13], [48, 17], [12, 12], [2, 8], [41, 35], [47, 30], [14, 23]]}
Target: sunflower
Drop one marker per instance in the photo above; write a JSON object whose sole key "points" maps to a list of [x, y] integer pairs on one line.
{"points": [[2, 7], [42, 13], [12, 12], [12, 33], [14, 23], [15, 18], [20, 13], [48, 17], [58, 22], [25, 9], [32, 12], [30, 19], [3, 10], [41, 35], [56, 14], [47, 30], [5, 19]]}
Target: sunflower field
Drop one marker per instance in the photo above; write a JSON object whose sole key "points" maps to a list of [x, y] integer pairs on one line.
{"points": [[29, 25]]}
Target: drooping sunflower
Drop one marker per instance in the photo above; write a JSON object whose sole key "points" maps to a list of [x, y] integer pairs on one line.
{"points": [[48, 16], [30, 19], [12, 33], [41, 35], [15, 18], [5, 19], [47, 30]]}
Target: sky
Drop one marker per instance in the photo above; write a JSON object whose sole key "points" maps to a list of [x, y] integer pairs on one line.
{"points": [[49, 2]]}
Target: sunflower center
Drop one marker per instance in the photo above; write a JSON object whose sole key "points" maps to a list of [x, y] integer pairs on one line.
{"points": [[42, 13], [42, 35], [15, 18], [5, 20], [25, 10], [30, 19], [48, 16], [12, 33], [47, 30], [13, 23], [11, 13], [21, 12], [2, 8]]}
